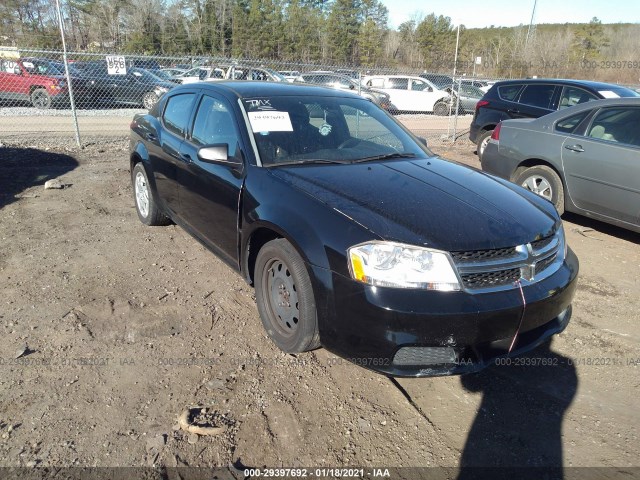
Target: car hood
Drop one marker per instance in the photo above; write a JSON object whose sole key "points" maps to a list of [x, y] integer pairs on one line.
{"points": [[431, 202]]}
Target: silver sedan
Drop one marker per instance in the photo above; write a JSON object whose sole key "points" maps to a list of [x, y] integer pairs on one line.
{"points": [[585, 159]]}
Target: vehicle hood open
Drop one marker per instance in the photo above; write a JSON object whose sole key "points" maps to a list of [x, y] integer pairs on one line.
{"points": [[430, 202]]}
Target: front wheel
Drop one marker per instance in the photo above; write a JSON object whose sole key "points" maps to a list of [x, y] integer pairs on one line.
{"points": [[545, 182], [40, 99], [285, 299], [441, 109], [149, 99]]}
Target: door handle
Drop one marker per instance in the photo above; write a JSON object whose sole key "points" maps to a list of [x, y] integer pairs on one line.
{"points": [[151, 136], [574, 148], [186, 157], [513, 111]]}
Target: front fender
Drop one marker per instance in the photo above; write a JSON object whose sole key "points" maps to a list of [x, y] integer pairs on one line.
{"points": [[320, 234]]}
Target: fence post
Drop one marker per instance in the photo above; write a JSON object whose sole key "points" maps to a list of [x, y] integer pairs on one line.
{"points": [[455, 119], [66, 71]]}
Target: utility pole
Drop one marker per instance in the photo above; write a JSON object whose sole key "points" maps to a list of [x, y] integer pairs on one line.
{"points": [[66, 71], [532, 27]]}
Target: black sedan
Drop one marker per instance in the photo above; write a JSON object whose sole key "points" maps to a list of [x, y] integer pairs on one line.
{"points": [[138, 87], [355, 236]]}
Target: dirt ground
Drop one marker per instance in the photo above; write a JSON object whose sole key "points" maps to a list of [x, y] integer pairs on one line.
{"points": [[119, 327]]}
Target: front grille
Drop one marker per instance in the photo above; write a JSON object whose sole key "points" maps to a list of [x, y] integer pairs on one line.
{"points": [[479, 255], [490, 279], [544, 264], [417, 356], [501, 268], [540, 244]]}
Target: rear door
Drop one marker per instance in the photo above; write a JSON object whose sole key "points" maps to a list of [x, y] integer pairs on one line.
{"points": [[210, 192], [14, 81], [602, 168], [166, 159], [535, 100]]}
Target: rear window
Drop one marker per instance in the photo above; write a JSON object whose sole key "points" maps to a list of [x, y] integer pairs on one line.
{"points": [[570, 124], [509, 92], [537, 95]]}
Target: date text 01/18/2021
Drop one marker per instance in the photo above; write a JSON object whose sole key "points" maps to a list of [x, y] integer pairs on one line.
{"points": [[316, 472]]}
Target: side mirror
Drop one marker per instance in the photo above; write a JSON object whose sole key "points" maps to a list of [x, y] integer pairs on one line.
{"points": [[352, 86], [429, 89], [219, 154], [423, 141]]}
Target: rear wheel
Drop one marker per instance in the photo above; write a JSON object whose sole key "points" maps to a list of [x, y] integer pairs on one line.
{"points": [[285, 299], [482, 142], [543, 181], [146, 206], [40, 98]]}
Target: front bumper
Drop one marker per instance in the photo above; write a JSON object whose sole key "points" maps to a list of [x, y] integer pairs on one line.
{"points": [[415, 333]]}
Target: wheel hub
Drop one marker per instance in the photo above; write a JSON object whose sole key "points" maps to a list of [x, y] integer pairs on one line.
{"points": [[142, 194], [539, 185], [282, 298]]}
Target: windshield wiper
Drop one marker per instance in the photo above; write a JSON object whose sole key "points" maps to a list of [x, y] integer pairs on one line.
{"points": [[386, 156], [303, 162]]}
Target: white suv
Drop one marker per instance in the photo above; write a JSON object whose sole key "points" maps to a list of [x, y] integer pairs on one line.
{"points": [[411, 94]]}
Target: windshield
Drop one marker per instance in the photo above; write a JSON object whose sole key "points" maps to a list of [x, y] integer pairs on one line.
{"points": [[146, 75], [616, 92], [317, 129]]}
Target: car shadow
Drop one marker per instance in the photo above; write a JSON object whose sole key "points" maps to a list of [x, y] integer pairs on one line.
{"points": [[517, 431], [585, 223], [23, 168]]}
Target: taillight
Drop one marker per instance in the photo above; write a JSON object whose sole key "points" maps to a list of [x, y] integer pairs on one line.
{"points": [[496, 132], [481, 103]]}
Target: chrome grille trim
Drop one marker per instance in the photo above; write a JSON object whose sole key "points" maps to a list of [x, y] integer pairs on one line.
{"points": [[534, 261]]}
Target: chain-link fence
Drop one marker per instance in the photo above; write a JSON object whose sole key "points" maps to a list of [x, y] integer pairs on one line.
{"points": [[94, 96]]}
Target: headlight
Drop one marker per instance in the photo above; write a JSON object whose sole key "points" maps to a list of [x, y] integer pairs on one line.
{"points": [[388, 264], [161, 90], [563, 241]]}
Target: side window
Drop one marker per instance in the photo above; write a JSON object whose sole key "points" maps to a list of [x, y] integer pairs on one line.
{"points": [[570, 124], [177, 112], [399, 83], [573, 96], [509, 92], [214, 124], [419, 86], [537, 95], [376, 83], [616, 124]]}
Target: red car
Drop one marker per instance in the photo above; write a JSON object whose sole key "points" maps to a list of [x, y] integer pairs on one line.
{"points": [[38, 81]]}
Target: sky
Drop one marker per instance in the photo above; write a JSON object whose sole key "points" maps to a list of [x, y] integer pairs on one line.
{"points": [[509, 13]]}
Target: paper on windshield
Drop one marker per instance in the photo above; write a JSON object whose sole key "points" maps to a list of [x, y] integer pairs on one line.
{"points": [[270, 121], [609, 94]]}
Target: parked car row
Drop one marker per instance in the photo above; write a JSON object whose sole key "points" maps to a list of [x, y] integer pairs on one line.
{"points": [[574, 143]]}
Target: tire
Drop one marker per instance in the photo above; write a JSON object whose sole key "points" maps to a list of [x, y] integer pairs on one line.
{"points": [[285, 299], [441, 109], [144, 197], [481, 143], [41, 99], [149, 100], [545, 182]]}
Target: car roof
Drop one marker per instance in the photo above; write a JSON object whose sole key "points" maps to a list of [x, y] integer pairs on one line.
{"points": [[252, 89], [564, 81], [567, 112]]}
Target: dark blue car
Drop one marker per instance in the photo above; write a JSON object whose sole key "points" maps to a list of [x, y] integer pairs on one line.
{"points": [[356, 237]]}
